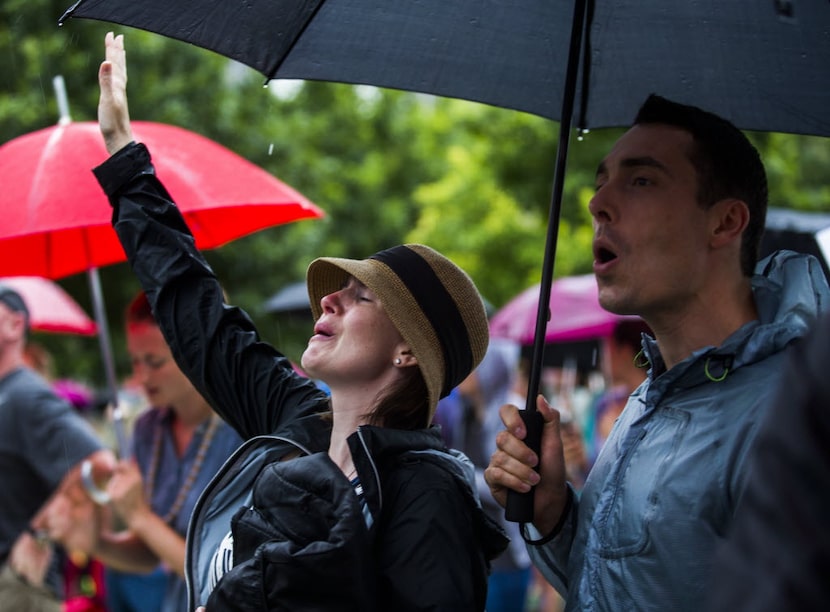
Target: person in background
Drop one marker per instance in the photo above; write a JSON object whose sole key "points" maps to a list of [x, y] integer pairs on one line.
{"points": [[177, 446], [678, 211], [450, 416], [42, 444], [623, 373], [83, 576], [484, 391]]}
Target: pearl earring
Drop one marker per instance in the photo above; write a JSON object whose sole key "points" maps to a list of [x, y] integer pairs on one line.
{"points": [[398, 361]]}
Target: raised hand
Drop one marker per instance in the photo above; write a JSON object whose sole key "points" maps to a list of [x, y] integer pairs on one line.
{"points": [[113, 113]]}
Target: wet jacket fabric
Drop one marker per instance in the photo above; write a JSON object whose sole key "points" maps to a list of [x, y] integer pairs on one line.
{"points": [[301, 540], [663, 491], [777, 556]]}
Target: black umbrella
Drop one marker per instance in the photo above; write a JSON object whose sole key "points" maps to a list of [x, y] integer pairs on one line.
{"points": [[763, 64], [291, 299]]}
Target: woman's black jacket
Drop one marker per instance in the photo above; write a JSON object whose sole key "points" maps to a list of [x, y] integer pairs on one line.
{"points": [[301, 541]]}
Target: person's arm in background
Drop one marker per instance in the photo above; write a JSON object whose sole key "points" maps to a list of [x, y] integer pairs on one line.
{"points": [[80, 524], [32, 552]]}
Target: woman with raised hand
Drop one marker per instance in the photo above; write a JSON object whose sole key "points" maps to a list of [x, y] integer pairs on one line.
{"points": [[347, 502]]}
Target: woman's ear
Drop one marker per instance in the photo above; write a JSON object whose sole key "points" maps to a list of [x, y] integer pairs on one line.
{"points": [[404, 358]]}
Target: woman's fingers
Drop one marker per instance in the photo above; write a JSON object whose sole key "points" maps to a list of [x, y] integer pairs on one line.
{"points": [[113, 114]]}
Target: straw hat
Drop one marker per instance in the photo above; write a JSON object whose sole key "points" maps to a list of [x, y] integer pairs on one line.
{"points": [[432, 302]]}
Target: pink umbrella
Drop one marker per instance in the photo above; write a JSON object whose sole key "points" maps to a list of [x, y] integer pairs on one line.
{"points": [[575, 313], [51, 308]]}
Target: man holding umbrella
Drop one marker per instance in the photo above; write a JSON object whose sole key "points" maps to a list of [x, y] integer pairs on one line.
{"points": [[678, 213]]}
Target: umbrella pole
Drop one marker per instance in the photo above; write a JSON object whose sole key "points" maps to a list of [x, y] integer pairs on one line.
{"points": [[519, 506], [122, 447]]}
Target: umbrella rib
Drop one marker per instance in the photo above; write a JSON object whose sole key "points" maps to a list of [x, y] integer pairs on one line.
{"points": [[273, 69], [585, 92]]}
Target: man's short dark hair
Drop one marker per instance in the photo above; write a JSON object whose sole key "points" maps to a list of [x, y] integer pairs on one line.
{"points": [[727, 165]]}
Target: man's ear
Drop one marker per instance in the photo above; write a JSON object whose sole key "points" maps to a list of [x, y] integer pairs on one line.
{"points": [[729, 218]]}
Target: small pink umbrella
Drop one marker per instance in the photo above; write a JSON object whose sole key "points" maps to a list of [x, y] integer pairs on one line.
{"points": [[51, 309], [575, 313]]}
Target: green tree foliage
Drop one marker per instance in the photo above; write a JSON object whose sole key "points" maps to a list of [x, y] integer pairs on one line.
{"points": [[386, 166], [796, 170]]}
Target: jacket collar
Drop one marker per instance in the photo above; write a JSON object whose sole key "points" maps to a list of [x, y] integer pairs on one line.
{"points": [[790, 291]]}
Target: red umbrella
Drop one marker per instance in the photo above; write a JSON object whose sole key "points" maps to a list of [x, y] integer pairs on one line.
{"points": [[51, 309], [56, 219], [574, 303]]}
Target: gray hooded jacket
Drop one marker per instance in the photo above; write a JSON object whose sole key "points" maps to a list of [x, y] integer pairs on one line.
{"points": [[662, 493]]}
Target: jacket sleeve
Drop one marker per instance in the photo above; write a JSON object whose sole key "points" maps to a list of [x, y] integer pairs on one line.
{"points": [[550, 557], [250, 384]]}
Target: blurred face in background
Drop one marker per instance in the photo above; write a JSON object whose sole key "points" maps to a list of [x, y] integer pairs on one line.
{"points": [[154, 367], [12, 326]]}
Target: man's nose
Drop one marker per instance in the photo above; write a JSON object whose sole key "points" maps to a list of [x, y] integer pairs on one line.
{"points": [[600, 206]]}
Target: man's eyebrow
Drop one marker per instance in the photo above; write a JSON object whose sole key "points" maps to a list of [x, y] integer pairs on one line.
{"points": [[647, 161], [635, 162]]}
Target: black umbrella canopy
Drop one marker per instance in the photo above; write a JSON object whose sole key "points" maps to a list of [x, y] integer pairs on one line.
{"points": [[763, 64], [292, 298]]}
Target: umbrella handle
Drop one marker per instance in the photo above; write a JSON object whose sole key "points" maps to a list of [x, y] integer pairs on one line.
{"points": [[121, 437], [519, 507]]}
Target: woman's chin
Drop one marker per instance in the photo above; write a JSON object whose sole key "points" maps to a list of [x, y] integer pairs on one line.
{"points": [[308, 363]]}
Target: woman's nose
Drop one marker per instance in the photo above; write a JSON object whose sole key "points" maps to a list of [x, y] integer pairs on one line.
{"points": [[330, 302], [140, 372]]}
